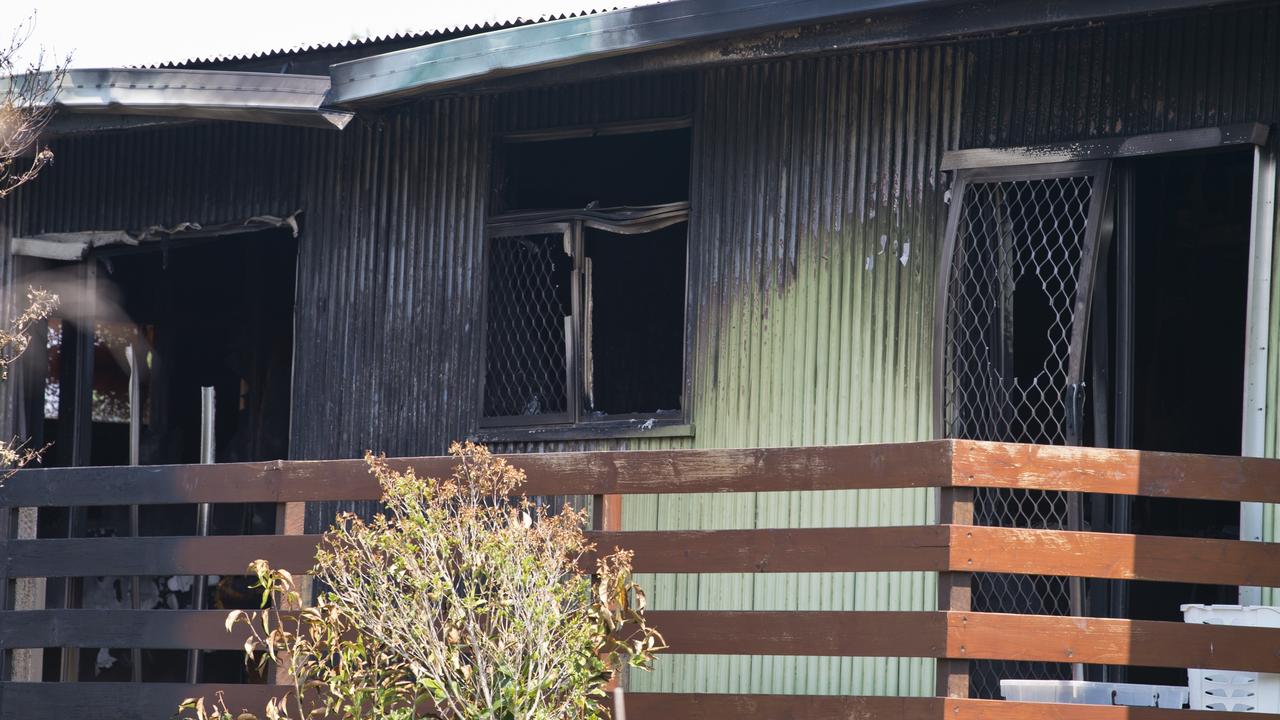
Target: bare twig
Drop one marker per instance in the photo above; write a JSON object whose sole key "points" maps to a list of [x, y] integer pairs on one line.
{"points": [[27, 92], [15, 338]]}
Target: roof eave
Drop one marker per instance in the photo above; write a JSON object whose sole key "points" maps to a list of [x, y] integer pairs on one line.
{"points": [[475, 58], [271, 98]]}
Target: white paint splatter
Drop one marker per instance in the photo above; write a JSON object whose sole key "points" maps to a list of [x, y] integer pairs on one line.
{"points": [[871, 262], [906, 252], [884, 242]]}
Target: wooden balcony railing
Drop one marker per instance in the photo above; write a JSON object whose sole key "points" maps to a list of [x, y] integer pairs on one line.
{"points": [[955, 548]]}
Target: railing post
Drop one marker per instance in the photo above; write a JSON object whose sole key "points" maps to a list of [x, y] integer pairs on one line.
{"points": [[955, 590], [7, 516], [291, 520], [606, 516], [606, 513], [26, 665]]}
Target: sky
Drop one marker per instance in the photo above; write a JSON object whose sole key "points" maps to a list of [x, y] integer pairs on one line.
{"points": [[119, 33]]}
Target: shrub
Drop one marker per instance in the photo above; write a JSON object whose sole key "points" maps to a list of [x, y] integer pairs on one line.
{"points": [[459, 603]]}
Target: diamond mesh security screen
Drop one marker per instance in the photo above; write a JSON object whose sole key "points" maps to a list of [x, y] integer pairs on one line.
{"points": [[1010, 316], [529, 297]]}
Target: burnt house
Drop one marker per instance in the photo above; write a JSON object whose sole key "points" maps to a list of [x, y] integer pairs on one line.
{"points": [[697, 224]]}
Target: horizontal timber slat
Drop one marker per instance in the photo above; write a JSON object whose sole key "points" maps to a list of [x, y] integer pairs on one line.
{"points": [[143, 701], [919, 634], [153, 629], [715, 551], [214, 555], [50, 701], [870, 549], [1114, 556], [1105, 641], [958, 635], [708, 706], [902, 465], [970, 709], [1115, 472], [939, 463], [832, 633], [700, 706], [909, 548]]}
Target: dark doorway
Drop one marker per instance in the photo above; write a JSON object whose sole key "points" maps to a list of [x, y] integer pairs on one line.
{"points": [[213, 312], [1190, 269]]}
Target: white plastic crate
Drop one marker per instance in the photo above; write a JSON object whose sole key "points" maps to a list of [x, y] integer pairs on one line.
{"points": [[1231, 689], [1083, 692]]}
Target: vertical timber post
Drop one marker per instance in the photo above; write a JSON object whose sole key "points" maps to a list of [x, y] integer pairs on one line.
{"points": [[7, 516], [290, 519], [955, 590], [606, 516]]}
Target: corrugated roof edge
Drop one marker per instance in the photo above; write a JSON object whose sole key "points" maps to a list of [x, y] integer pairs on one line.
{"points": [[401, 73], [425, 37]]}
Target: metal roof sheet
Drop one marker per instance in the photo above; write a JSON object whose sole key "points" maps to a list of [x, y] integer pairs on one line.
{"points": [[476, 58], [421, 37], [196, 94]]}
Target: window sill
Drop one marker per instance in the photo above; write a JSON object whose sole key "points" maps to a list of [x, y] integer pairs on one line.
{"points": [[608, 429]]}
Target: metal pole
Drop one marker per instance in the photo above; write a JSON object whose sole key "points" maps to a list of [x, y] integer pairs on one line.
{"points": [[135, 524], [79, 328], [1258, 322], [619, 705], [201, 585]]}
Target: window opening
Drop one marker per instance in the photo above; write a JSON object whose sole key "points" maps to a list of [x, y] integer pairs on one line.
{"points": [[633, 169], [586, 279], [635, 291]]}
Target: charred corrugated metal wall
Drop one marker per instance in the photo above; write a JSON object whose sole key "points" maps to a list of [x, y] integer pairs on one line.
{"points": [[817, 210], [815, 220]]}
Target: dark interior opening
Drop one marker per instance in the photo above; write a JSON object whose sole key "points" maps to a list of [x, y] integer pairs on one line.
{"points": [[633, 169], [203, 312], [636, 287], [1191, 257]]}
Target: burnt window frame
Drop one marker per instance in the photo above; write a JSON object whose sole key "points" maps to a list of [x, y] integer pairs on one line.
{"points": [[576, 421]]}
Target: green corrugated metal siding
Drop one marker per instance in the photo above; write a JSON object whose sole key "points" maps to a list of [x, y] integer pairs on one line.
{"points": [[815, 230]]}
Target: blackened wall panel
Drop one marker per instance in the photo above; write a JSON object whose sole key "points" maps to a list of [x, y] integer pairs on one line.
{"points": [[386, 335], [1125, 78]]}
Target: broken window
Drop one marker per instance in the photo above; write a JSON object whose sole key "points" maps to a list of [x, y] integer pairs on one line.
{"points": [[529, 307], [1011, 349], [586, 322], [1019, 257], [586, 281], [633, 321]]}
